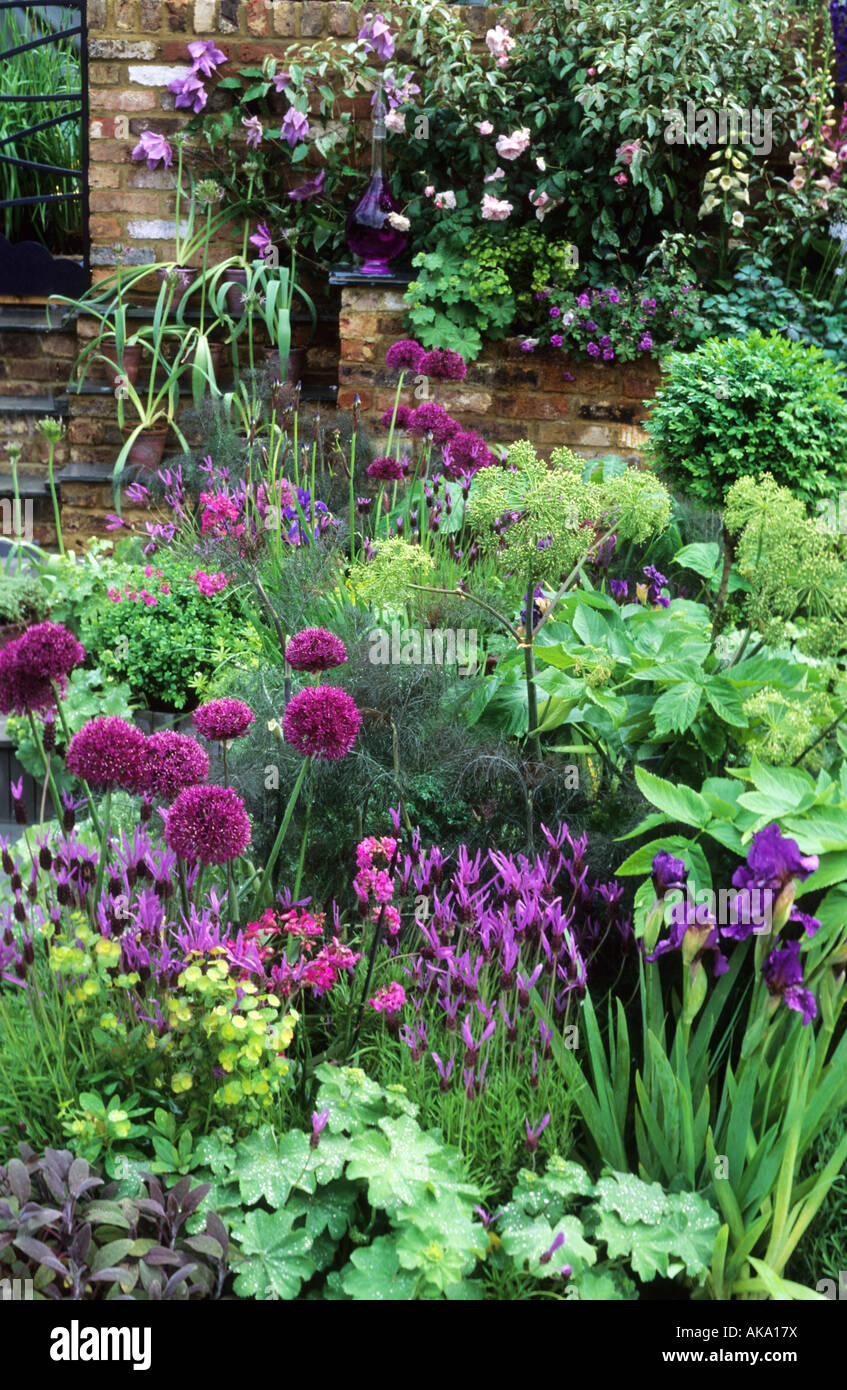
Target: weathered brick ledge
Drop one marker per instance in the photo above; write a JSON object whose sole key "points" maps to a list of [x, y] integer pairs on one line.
{"points": [[507, 394]]}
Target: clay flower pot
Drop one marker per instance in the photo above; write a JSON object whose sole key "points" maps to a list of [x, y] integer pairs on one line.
{"points": [[294, 367], [127, 368], [186, 279], [235, 293], [147, 448]]}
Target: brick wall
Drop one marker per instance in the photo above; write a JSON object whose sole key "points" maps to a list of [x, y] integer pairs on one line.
{"points": [[507, 394]]}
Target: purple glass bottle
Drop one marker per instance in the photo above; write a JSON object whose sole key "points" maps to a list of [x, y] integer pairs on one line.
{"points": [[370, 235]]}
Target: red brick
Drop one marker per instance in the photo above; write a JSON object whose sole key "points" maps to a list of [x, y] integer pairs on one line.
{"points": [[105, 229], [352, 351], [257, 17], [128, 99], [346, 395], [107, 200]]}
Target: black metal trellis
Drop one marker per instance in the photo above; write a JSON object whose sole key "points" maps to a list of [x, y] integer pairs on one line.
{"points": [[27, 267]]}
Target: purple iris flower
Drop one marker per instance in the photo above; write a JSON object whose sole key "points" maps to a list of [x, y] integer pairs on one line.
{"points": [[784, 976], [668, 872]]}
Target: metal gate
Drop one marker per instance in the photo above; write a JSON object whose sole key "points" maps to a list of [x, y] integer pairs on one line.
{"points": [[28, 267]]}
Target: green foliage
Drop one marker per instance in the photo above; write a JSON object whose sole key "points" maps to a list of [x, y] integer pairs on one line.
{"points": [[748, 406], [383, 581], [483, 286], [23, 600], [77, 1243], [794, 567], [377, 1209], [759, 298], [553, 504], [165, 649]]}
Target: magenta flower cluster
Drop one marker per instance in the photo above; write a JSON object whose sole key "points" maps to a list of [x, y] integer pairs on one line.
{"points": [[322, 722], [223, 719], [315, 649], [34, 666]]}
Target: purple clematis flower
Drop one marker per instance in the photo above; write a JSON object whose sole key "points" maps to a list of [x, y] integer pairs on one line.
{"points": [[376, 34], [261, 239], [310, 189], [205, 56], [153, 148], [281, 80], [189, 91], [254, 129], [295, 127], [784, 976]]}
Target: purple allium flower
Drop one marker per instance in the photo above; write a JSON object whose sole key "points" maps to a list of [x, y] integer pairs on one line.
{"points": [[619, 589], [262, 239], [467, 451], [295, 127], [108, 752], [153, 148], [433, 418], [310, 189], [443, 365], [223, 719], [667, 872], [46, 653], [208, 824], [376, 34], [784, 976], [254, 129], [189, 91], [388, 470], [172, 762], [321, 721], [315, 649], [401, 419], [404, 354], [205, 56]]}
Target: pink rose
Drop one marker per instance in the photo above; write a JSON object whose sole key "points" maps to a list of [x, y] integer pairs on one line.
{"points": [[627, 152], [445, 200], [621, 178], [500, 44], [485, 127], [495, 209], [510, 146], [498, 174]]}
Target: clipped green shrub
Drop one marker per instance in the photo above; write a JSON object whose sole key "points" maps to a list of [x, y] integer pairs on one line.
{"points": [[748, 406]]}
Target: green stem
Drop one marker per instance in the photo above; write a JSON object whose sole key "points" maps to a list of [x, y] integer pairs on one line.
{"points": [[277, 845], [56, 517], [104, 848], [303, 840]]}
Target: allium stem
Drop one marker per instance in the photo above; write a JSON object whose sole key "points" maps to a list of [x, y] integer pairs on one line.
{"points": [[259, 895], [48, 774], [56, 516], [104, 848]]}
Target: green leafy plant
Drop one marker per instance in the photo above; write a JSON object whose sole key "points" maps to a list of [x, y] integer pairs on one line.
{"points": [[370, 1207], [75, 1242], [748, 406]]}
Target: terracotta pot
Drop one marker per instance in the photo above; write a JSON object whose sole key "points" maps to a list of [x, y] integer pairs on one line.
{"points": [[235, 295], [294, 368], [187, 276], [127, 368], [148, 448], [216, 351]]}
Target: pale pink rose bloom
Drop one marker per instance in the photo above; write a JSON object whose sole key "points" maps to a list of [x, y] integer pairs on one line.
{"points": [[500, 43], [396, 121], [498, 174], [495, 209], [429, 190], [627, 152], [503, 62], [446, 200], [510, 146], [621, 178], [485, 127]]}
